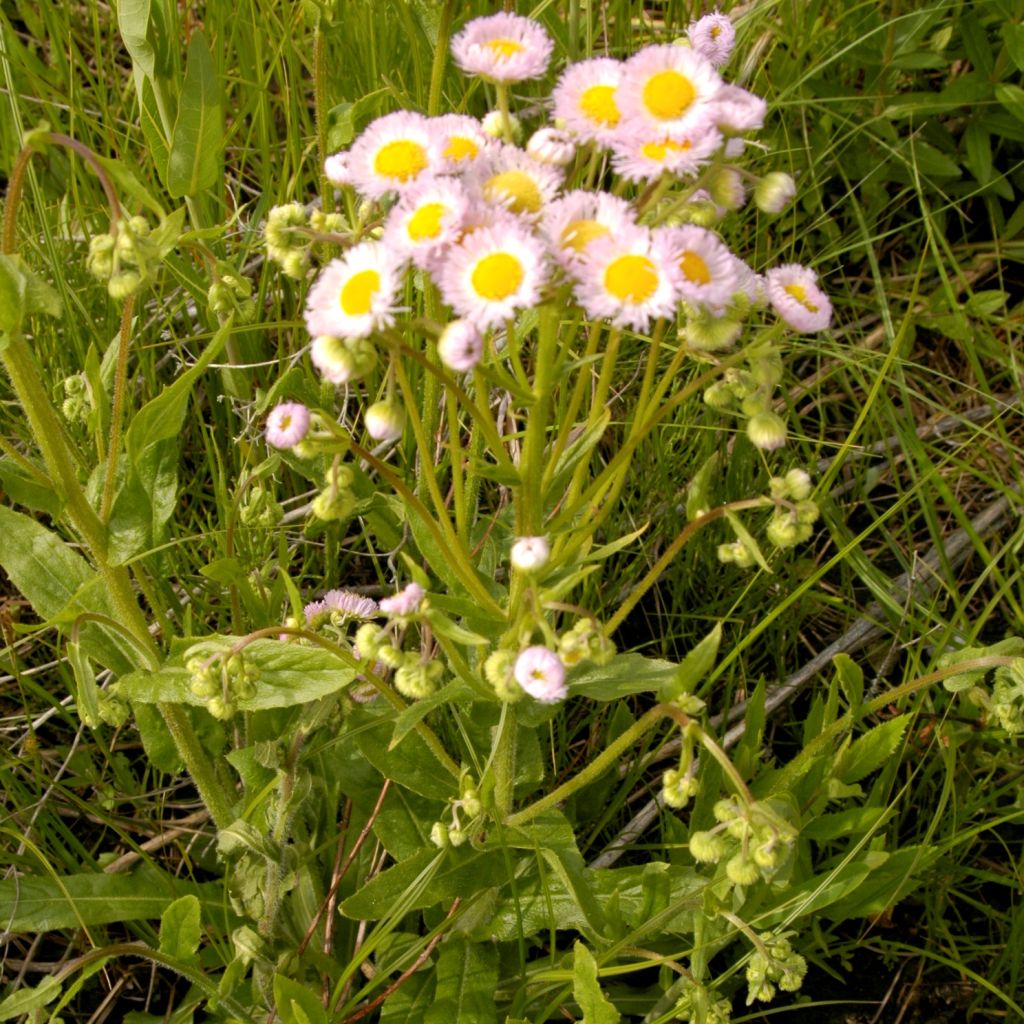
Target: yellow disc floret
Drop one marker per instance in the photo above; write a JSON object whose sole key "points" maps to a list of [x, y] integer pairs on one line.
{"points": [[426, 222], [798, 293], [516, 189], [358, 291], [580, 233], [497, 276], [668, 94], [400, 160], [598, 104], [694, 268], [504, 47], [631, 278]]}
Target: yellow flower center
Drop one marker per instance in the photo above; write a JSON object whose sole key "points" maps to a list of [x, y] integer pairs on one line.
{"points": [[631, 278], [694, 268], [516, 189], [667, 94], [580, 233], [401, 160], [504, 48], [497, 276], [358, 291], [426, 222], [459, 149], [598, 104], [285, 421], [798, 293], [658, 151], [716, 31]]}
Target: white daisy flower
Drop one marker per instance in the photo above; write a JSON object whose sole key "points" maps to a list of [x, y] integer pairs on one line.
{"points": [[585, 99], [551, 146], [492, 273], [348, 604], [627, 279], [392, 153], [461, 141], [640, 156], [513, 179], [736, 110], [713, 37], [428, 215], [287, 424], [668, 90], [503, 48], [706, 269], [569, 224], [541, 674], [336, 170], [794, 294], [460, 346], [355, 295]]}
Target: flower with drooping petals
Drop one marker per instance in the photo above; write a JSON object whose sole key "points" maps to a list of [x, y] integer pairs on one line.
{"points": [[349, 604], [492, 273], [428, 215], [355, 295], [287, 424], [713, 37], [530, 553], [736, 110], [392, 153], [460, 346], [627, 280], [573, 221], [584, 99], [794, 294], [541, 674], [508, 177], [503, 48], [405, 602], [667, 91], [706, 271], [641, 156]]}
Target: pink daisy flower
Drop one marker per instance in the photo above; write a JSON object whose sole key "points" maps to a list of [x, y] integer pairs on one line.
{"points": [[571, 223], [287, 424], [541, 674], [706, 268], [794, 294], [429, 215], [713, 37], [511, 178], [585, 99], [640, 156], [405, 602], [348, 604], [667, 90], [461, 141], [392, 153], [503, 48]]}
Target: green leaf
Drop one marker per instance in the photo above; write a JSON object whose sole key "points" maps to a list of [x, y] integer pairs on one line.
{"points": [[1013, 37], [27, 999], [12, 295], [180, 930], [133, 22], [288, 675], [411, 1001], [467, 977], [130, 185], [34, 904], [198, 136], [60, 584], [152, 125], [297, 1004], [1012, 98], [1011, 647], [744, 536], [889, 878], [978, 146], [695, 666], [88, 696], [624, 675], [932, 162], [24, 488], [870, 751], [698, 492], [587, 989], [851, 679], [986, 303]]}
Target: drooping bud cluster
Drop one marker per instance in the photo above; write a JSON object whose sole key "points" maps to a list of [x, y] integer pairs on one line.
{"points": [[1008, 696], [125, 257], [221, 678], [699, 1005], [774, 963], [756, 838], [77, 402], [585, 641], [231, 293], [468, 804], [795, 512]]}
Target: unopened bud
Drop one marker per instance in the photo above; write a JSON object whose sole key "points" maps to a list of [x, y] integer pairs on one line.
{"points": [[767, 431], [774, 192], [384, 420]]}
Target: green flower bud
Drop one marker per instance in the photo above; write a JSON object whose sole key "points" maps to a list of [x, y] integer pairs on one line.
{"points": [[295, 265], [498, 672], [333, 504], [707, 847], [783, 532], [798, 481], [774, 192], [719, 395], [726, 188], [391, 656], [415, 681], [767, 431], [439, 835], [767, 369], [120, 286], [711, 334], [220, 708], [456, 836], [725, 810], [807, 512], [368, 641], [742, 871]]}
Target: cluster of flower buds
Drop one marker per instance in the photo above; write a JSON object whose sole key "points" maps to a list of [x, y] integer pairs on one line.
{"points": [[698, 1005], [77, 402], [469, 804], [231, 293], [747, 392], [755, 836], [678, 787], [795, 512], [774, 963], [221, 678], [1008, 696], [124, 257], [260, 508], [290, 233], [585, 642]]}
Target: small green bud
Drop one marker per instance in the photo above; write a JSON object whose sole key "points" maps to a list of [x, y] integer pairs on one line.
{"points": [[456, 836], [439, 835], [719, 395], [807, 512], [783, 532], [742, 871], [368, 641], [726, 188], [725, 810], [498, 672], [799, 483], [295, 265], [415, 681], [391, 656], [711, 334], [767, 431], [707, 847], [333, 504], [220, 708], [774, 192], [121, 285]]}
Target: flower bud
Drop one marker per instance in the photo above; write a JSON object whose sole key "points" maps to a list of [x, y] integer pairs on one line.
{"points": [[726, 188], [295, 265], [766, 431], [541, 674], [439, 835], [719, 395], [368, 641], [530, 554], [551, 146], [498, 672], [390, 656], [460, 346], [415, 681], [333, 503], [336, 170], [711, 333], [798, 482], [774, 192], [120, 286], [783, 532], [384, 420], [707, 847], [493, 124], [742, 871]]}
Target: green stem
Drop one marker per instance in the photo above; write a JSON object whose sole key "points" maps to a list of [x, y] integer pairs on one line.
{"points": [[503, 763], [506, 117], [603, 762], [320, 116], [117, 410], [440, 56]]}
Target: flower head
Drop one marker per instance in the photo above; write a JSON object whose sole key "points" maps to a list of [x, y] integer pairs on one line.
{"points": [[794, 294], [287, 424], [551, 146], [644, 155], [584, 99], [530, 553], [706, 268], [736, 110], [355, 295], [541, 674], [427, 216], [627, 279], [460, 346], [492, 273], [713, 37], [508, 177], [461, 141], [573, 221], [405, 602], [392, 153], [668, 90], [503, 48], [349, 604]]}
